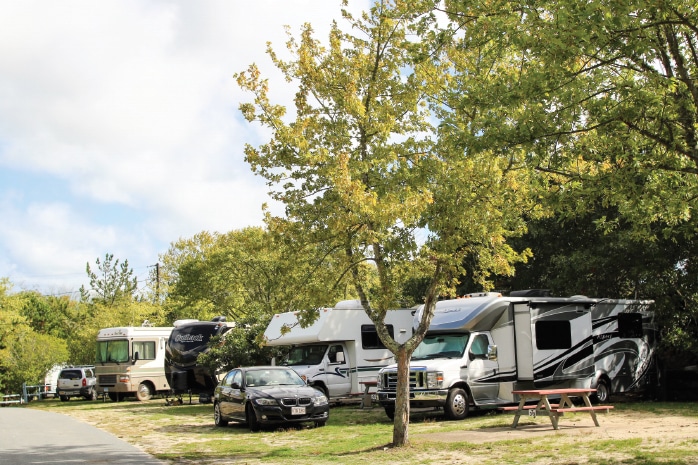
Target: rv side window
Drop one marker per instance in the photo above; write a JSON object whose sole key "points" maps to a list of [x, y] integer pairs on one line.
{"points": [[370, 339], [145, 349], [630, 325], [553, 334]]}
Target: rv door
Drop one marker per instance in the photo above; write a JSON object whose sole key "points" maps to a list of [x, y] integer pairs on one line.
{"points": [[337, 377]]}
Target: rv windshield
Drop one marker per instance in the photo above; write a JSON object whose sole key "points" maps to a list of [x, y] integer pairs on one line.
{"points": [[112, 351], [441, 346], [305, 355]]}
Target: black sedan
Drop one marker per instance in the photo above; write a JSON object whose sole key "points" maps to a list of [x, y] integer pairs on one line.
{"points": [[270, 395]]}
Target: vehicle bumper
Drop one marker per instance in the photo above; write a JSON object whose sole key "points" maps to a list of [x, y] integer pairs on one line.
{"points": [[85, 391], [269, 415], [427, 398]]}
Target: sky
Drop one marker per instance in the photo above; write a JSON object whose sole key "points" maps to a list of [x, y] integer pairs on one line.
{"points": [[120, 131]]}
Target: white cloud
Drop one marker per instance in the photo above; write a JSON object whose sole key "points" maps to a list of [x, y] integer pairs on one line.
{"points": [[132, 106]]}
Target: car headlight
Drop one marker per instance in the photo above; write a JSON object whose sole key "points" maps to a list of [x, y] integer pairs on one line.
{"points": [[379, 382], [265, 401], [320, 400], [435, 379]]}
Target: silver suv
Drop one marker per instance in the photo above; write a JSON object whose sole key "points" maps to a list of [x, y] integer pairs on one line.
{"points": [[77, 381]]}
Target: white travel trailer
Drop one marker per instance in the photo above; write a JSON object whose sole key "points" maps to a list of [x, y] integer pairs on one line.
{"points": [[131, 361], [480, 348], [341, 349]]}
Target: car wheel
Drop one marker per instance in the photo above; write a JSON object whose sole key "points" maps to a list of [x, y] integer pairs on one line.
{"points": [[320, 424], [456, 407], [144, 392], [252, 421], [65, 398], [217, 416], [91, 395], [603, 392], [390, 411]]}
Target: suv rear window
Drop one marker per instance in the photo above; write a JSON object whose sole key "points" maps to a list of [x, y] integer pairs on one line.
{"points": [[71, 374]]}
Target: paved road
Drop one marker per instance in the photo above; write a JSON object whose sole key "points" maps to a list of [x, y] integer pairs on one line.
{"points": [[29, 436]]}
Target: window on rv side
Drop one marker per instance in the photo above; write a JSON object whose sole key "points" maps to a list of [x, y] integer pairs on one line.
{"points": [[145, 349], [629, 325], [370, 339], [553, 335]]}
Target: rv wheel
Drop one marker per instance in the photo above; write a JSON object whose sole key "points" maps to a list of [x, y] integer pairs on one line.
{"points": [[603, 392], [144, 392], [456, 407]]}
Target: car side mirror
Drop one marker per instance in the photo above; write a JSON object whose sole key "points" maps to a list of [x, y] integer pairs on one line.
{"points": [[235, 386], [492, 352]]}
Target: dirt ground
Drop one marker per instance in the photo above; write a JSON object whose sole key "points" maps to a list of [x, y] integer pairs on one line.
{"points": [[613, 425]]}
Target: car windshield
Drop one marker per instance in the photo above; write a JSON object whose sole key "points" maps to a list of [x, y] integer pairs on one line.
{"points": [[441, 346], [305, 355], [273, 377]]}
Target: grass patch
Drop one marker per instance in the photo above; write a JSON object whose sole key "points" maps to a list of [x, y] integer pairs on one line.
{"points": [[186, 434]]}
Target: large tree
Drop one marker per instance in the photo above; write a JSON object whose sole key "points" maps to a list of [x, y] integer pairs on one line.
{"points": [[364, 168]]}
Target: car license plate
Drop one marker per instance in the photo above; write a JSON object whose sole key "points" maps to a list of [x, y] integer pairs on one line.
{"points": [[297, 410]]}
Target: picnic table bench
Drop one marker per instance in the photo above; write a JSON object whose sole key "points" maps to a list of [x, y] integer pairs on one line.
{"points": [[554, 410]]}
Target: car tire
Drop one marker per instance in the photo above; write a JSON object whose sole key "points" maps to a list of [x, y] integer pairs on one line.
{"points": [[252, 421], [320, 424], [144, 392], [65, 398], [218, 416], [91, 395], [457, 404]]}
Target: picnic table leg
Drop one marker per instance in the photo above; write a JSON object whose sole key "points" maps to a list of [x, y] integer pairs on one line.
{"points": [[552, 415], [587, 402], [517, 414]]}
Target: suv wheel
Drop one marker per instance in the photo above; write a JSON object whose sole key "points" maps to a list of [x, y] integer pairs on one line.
{"points": [[65, 398]]}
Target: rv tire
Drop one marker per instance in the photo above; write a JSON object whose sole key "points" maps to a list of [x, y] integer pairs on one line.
{"points": [[390, 412], [456, 407], [144, 392], [217, 416], [603, 392]]}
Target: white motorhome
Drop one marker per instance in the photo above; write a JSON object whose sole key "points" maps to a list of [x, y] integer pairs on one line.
{"points": [[131, 361], [480, 348], [341, 349]]}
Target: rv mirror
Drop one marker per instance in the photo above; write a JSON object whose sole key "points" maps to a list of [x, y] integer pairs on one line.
{"points": [[492, 352], [135, 357], [340, 357]]}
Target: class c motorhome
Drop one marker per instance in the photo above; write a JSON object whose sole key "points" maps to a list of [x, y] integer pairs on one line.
{"points": [[341, 349], [480, 348]]}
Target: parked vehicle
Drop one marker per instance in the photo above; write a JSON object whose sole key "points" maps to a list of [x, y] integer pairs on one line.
{"points": [[51, 381], [76, 381], [478, 349], [130, 361], [341, 349], [271, 395], [188, 340]]}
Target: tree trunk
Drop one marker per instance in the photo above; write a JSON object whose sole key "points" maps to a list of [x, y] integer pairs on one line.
{"points": [[402, 400]]}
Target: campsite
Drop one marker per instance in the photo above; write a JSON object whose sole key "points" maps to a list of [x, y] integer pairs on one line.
{"points": [[633, 433]]}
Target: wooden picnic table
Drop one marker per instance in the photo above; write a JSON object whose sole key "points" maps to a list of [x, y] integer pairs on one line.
{"points": [[367, 398], [554, 410]]}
